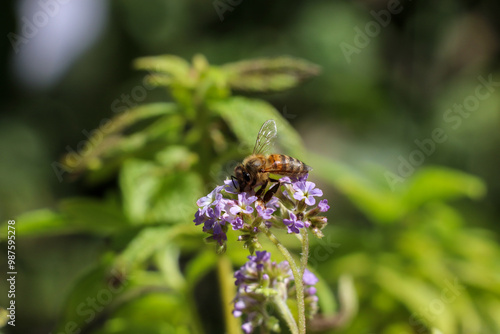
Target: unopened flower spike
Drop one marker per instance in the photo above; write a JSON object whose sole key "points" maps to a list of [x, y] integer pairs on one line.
{"points": [[263, 285]]}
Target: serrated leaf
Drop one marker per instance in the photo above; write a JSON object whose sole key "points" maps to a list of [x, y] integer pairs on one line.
{"points": [[107, 140], [245, 117], [269, 74], [152, 194]]}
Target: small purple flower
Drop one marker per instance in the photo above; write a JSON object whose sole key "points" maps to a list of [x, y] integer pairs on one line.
{"points": [[266, 214], [199, 217], [260, 257], [219, 234], [213, 214], [229, 186], [272, 203], [311, 290], [239, 305], [303, 177], [323, 205], [243, 205], [247, 327], [293, 224], [211, 199], [237, 223], [309, 278], [306, 190], [311, 300], [285, 179]]}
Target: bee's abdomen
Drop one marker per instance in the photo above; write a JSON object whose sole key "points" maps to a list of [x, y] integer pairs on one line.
{"points": [[285, 165]]}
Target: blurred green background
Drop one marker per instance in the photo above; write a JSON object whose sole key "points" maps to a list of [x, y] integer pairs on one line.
{"points": [[399, 126]]}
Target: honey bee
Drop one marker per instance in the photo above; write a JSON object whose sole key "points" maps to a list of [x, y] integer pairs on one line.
{"points": [[255, 169]]}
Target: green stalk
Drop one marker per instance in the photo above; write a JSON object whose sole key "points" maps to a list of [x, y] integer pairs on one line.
{"points": [[226, 285], [305, 250], [287, 315], [297, 275]]}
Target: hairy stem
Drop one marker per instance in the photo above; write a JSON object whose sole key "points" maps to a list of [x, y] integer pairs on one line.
{"points": [[305, 250], [287, 315], [297, 275]]}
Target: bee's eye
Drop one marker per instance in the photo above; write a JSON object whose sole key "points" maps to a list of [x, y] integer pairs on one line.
{"points": [[246, 176]]}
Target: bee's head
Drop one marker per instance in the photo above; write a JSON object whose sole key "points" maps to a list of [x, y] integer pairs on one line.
{"points": [[242, 176]]}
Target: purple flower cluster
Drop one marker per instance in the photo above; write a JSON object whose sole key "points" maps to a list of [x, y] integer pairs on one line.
{"points": [[292, 207], [259, 281]]}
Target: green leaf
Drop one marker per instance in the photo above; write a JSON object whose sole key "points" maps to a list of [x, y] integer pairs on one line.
{"points": [[107, 140], [89, 298], [269, 74], [76, 215], [439, 184], [169, 65], [245, 117], [176, 155], [143, 246], [416, 295], [167, 260], [150, 240], [42, 222], [152, 193], [373, 200], [152, 313], [95, 216], [145, 111]]}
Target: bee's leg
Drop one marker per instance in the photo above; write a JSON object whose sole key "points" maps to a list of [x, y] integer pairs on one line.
{"points": [[261, 189], [270, 193]]}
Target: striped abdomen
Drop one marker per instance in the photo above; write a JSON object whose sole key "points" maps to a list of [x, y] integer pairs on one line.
{"points": [[285, 165]]}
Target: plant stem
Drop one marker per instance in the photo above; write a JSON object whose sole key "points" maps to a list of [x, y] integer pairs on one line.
{"points": [[287, 315], [305, 250], [297, 275], [226, 285]]}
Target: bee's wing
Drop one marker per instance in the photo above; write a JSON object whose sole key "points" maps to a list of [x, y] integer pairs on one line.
{"points": [[265, 138]]}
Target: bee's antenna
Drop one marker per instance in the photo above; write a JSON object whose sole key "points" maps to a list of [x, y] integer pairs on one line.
{"points": [[232, 179]]}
